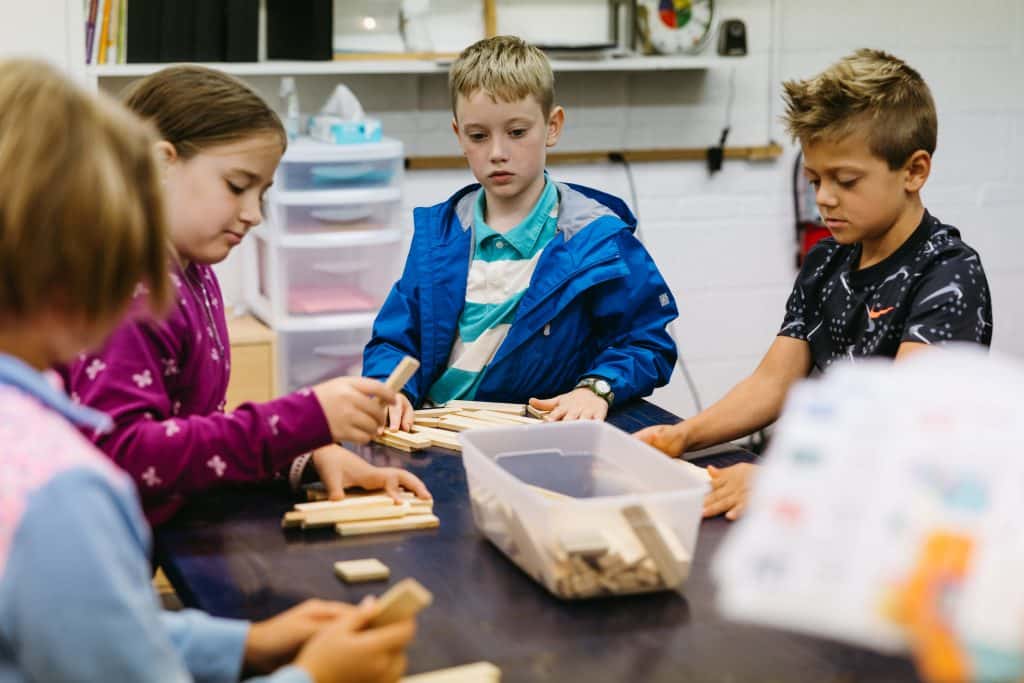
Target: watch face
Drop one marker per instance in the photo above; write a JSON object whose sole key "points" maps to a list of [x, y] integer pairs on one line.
{"points": [[602, 386]]}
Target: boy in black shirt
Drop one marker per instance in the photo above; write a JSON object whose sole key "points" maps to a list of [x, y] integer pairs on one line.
{"points": [[891, 280]]}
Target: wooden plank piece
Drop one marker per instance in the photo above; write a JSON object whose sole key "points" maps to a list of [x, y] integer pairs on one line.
{"points": [[480, 672], [403, 600], [513, 408], [656, 545], [457, 423], [402, 374], [380, 526], [360, 571], [329, 516]]}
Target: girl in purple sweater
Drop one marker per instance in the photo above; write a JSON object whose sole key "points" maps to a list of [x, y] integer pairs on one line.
{"points": [[164, 383]]}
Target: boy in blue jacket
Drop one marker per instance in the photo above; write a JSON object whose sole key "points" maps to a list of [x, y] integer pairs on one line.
{"points": [[520, 287]]}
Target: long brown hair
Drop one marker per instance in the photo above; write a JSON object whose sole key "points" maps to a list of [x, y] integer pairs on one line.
{"points": [[195, 108]]}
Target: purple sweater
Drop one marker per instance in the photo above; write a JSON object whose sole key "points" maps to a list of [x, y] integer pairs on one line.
{"points": [[163, 384]]}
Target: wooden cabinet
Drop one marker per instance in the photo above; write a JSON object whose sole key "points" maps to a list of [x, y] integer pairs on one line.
{"points": [[253, 361]]}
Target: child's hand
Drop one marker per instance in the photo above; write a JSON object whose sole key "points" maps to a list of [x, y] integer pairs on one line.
{"points": [[273, 643], [401, 414], [729, 490], [346, 652], [352, 408], [578, 404], [669, 439], [339, 468]]}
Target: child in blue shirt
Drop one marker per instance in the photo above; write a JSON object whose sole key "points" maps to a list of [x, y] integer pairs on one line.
{"points": [[520, 287], [82, 223]]}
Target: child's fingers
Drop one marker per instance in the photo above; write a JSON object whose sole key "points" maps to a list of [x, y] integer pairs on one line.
{"points": [[737, 511], [649, 435], [410, 481], [372, 388], [391, 637], [544, 403], [714, 471], [396, 668], [394, 417]]}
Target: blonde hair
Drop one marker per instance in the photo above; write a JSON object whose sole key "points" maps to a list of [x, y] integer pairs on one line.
{"points": [[195, 108], [507, 69], [81, 208], [871, 90]]}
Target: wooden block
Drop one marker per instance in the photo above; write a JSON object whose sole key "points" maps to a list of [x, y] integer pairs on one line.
{"points": [[457, 423], [409, 439], [656, 544], [428, 421], [359, 571], [402, 374], [403, 600], [329, 516], [583, 542], [351, 501], [397, 445], [292, 518], [440, 438], [513, 408], [497, 419], [507, 418], [380, 526], [532, 561], [539, 414], [481, 672], [434, 412]]}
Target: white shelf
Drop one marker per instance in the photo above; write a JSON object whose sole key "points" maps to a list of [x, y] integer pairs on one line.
{"points": [[329, 239], [401, 66]]}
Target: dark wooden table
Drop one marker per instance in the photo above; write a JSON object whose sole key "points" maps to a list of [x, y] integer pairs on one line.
{"points": [[227, 554]]}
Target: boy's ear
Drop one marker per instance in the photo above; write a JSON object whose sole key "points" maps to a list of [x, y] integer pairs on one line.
{"points": [[918, 167], [556, 119]]}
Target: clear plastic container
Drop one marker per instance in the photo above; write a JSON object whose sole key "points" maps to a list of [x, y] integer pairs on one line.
{"points": [[312, 356], [313, 165], [584, 508], [305, 213], [304, 278]]}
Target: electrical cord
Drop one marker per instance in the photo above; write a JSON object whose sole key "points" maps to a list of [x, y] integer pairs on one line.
{"points": [[680, 361]]}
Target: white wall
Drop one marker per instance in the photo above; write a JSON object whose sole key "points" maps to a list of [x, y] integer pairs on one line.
{"points": [[725, 243]]}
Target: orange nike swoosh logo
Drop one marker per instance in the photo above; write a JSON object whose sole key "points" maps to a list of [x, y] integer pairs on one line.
{"points": [[875, 315]]}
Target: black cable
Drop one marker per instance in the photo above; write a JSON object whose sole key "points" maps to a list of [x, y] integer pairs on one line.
{"points": [[694, 394]]}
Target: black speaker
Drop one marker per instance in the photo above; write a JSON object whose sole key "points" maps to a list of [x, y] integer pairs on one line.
{"points": [[732, 38], [300, 29]]}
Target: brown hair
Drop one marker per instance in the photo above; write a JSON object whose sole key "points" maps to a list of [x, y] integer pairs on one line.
{"points": [[195, 108], [871, 90], [506, 68], [81, 208]]}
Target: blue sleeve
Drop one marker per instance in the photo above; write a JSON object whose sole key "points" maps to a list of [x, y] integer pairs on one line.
{"points": [[76, 602], [636, 352], [396, 331]]}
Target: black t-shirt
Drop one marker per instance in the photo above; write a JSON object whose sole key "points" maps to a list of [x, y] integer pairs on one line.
{"points": [[930, 290]]}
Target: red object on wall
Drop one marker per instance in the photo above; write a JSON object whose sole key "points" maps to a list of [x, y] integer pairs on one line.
{"points": [[809, 235]]}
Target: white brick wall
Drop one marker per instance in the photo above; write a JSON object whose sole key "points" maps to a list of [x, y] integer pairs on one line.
{"points": [[725, 242]]}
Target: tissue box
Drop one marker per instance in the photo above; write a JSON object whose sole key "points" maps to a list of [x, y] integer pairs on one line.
{"points": [[339, 131], [584, 508]]}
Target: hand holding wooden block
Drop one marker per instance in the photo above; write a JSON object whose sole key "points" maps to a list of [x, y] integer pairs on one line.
{"points": [[402, 601]]}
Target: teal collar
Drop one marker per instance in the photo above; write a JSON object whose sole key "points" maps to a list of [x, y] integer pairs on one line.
{"points": [[524, 236]]}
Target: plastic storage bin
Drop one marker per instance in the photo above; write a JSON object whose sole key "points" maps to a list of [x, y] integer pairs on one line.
{"points": [[327, 212], [312, 356], [313, 278], [313, 165], [584, 508]]}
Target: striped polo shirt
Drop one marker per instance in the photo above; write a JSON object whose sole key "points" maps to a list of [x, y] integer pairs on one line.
{"points": [[499, 275]]}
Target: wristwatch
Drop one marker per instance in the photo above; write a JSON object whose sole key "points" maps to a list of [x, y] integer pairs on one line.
{"points": [[599, 386]]}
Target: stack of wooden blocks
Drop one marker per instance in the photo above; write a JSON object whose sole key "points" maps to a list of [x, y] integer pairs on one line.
{"points": [[438, 426], [627, 553], [359, 514]]}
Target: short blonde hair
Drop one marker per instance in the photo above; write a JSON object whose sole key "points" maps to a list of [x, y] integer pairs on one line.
{"points": [[195, 108], [507, 69], [81, 209], [871, 90]]}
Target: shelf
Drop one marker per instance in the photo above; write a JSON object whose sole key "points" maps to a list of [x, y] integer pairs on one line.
{"points": [[414, 66], [329, 239]]}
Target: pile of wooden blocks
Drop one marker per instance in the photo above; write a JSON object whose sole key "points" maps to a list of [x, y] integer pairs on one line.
{"points": [[367, 513], [625, 553], [438, 426]]}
